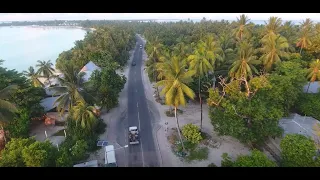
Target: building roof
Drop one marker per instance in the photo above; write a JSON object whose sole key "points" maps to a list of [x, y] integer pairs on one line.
{"points": [[88, 69], [48, 103], [51, 92], [314, 87], [297, 124]]}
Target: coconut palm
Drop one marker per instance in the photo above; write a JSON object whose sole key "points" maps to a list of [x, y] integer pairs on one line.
{"points": [[155, 53], [174, 86], [243, 66], [34, 77], [163, 62], [273, 49], [180, 50], [45, 69], [225, 40], [71, 90], [273, 27], [289, 31], [313, 72], [202, 61], [84, 115], [305, 35], [213, 46], [243, 26], [7, 109]]}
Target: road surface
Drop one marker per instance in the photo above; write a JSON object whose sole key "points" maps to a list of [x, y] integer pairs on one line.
{"points": [[138, 114]]}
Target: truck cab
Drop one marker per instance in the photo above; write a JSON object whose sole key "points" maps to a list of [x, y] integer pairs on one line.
{"points": [[133, 135]]}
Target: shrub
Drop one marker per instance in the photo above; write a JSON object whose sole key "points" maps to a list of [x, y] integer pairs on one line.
{"points": [[191, 133], [64, 159], [226, 160], [78, 151], [256, 159], [309, 104], [297, 151]]}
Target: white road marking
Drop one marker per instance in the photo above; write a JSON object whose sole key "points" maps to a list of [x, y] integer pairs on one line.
{"points": [[140, 136]]}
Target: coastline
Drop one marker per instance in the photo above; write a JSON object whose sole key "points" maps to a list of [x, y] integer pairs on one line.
{"points": [[66, 27]]}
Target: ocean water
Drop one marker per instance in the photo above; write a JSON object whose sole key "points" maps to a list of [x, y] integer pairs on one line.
{"points": [[21, 47]]}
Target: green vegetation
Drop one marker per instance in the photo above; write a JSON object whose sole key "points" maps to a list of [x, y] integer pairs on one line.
{"points": [[108, 47], [298, 151], [249, 75], [106, 86], [28, 153], [191, 133], [309, 105], [255, 159]]}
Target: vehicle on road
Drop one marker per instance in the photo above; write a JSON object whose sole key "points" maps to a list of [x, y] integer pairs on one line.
{"points": [[133, 135], [133, 63], [110, 157], [140, 46]]}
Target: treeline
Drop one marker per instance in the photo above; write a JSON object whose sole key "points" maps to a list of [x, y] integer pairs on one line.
{"points": [[251, 75], [104, 45]]}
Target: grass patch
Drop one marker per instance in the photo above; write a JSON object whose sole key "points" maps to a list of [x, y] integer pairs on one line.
{"points": [[59, 133], [170, 113], [198, 154]]}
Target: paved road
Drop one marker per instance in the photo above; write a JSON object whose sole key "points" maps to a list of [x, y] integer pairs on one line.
{"points": [[138, 114]]}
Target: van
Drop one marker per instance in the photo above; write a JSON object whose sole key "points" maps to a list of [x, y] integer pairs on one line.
{"points": [[110, 157]]}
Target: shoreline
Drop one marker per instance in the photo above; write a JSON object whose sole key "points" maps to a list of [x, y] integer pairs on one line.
{"points": [[66, 27]]}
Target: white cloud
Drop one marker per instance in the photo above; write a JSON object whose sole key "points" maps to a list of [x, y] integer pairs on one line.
{"points": [[119, 16]]}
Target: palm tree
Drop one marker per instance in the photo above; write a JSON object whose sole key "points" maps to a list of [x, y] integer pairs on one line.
{"points": [[313, 72], [33, 77], [225, 40], [214, 47], [242, 27], [273, 49], [7, 109], [162, 64], [273, 26], [174, 86], [84, 115], [242, 67], [180, 50], [289, 31], [304, 40], [45, 68], [71, 90], [202, 61], [155, 53]]}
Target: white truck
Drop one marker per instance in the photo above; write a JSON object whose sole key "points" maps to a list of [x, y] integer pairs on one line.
{"points": [[133, 135], [110, 157]]}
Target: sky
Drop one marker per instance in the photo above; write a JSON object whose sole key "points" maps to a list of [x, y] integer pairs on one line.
{"points": [[132, 16]]}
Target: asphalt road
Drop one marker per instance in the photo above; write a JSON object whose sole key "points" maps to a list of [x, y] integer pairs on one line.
{"points": [[138, 114]]}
